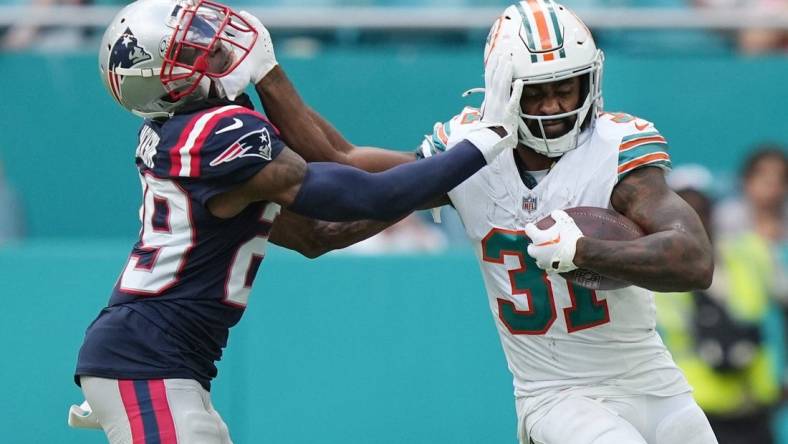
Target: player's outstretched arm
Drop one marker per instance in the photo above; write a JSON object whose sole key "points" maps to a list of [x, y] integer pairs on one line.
{"points": [[334, 192], [675, 255], [316, 140], [306, 132], [313, 238], [310, 135]]}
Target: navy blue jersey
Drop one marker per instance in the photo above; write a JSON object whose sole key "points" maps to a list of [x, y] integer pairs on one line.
{"points": [[188, 277]]}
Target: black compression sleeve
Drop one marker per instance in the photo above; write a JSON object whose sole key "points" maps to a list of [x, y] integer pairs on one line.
{"points": [[340, 193]]}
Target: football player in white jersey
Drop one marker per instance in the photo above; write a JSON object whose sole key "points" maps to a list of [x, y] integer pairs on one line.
{"points": [[588, 366]]}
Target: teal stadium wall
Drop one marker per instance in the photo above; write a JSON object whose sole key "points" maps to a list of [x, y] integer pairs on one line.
{"points": [[343, 349], [69, 149], [339, 350]]}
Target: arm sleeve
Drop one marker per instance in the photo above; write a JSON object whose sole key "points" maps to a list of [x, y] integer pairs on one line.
{"points": [[340, 193]]}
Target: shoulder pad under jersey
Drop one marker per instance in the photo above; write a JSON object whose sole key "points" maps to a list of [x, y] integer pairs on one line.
{"points": [[441, 132], [640, 144], [230, 142]]}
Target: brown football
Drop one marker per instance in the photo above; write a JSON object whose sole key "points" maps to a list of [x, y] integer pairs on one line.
{"points": [[598, 223]]}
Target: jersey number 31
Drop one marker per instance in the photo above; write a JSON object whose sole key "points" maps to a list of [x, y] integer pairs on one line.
{"points": [[530, 281]]}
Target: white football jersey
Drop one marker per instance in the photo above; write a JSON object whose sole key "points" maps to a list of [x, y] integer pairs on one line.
{"points": [[558, 336]]}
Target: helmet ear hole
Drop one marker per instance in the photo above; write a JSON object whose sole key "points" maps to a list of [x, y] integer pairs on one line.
{"points": [[580, 36]]}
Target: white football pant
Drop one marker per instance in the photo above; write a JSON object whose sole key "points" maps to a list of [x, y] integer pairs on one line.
{"points": [[624, 420], [166, 411]]}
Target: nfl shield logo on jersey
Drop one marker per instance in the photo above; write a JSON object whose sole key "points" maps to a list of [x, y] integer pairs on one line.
{"points": [[529, 204]]}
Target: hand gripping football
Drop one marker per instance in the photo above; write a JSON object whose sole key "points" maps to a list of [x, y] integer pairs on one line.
{"points": [[597, 223]]}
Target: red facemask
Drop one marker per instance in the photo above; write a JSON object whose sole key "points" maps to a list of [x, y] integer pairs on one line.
{"points": [[210, 39]]}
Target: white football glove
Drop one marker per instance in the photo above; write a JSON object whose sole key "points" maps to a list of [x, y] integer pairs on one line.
{"points": [[501, 103], [262, 57], [257, 64], [500, 108], [554, 248]]}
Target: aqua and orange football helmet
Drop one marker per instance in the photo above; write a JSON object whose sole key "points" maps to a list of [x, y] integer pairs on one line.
{"points": [[550, 43]]}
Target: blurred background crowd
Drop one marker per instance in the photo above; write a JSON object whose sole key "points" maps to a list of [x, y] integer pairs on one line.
{"points": [[730, 339], [725, 23]]}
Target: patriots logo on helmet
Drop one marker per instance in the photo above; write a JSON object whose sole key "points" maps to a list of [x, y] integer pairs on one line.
{"points": [[126, 52], [253, 144]]}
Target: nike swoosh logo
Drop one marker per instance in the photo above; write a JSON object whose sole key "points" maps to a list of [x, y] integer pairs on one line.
{"points": [[236, 124], [550, 242], [641, 127]]}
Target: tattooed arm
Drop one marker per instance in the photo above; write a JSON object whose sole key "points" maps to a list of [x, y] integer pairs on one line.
{"points": [[313, 238], [675, 255]]}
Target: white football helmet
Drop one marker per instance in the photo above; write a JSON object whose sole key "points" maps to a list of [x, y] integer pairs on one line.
{"points": [[158, 55], [549, 43]]}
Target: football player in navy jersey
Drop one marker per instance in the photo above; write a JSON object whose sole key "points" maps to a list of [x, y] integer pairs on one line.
{"points": [[215, 175]]}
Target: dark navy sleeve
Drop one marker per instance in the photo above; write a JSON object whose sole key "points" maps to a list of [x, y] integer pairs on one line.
{"points": [[222, 148], [338, 193]]}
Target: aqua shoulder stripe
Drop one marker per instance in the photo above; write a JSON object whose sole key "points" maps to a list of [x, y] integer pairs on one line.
{"points": [[437, 143], [660, 157], [439, 134], [640, 135], [640, 151], [634, 143]]}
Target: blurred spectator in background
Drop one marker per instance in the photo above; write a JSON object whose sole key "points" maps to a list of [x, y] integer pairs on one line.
{"points": [[760, 41], [761, 207], [755, 40], [410, 235], [758, 217], [757, 220], [11, 215], [23, 37], [720, 337]]}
